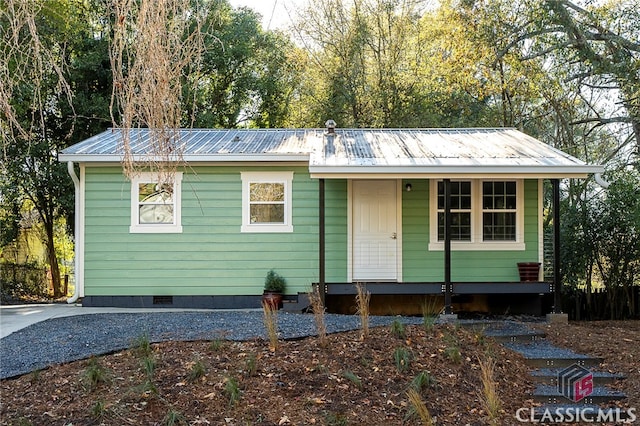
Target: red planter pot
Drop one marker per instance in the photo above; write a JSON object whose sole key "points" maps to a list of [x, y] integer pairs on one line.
{"points": [[272, 299], [529, 271]]}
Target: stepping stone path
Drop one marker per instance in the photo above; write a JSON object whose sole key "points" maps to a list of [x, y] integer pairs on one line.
{"points": [[549, 366]]}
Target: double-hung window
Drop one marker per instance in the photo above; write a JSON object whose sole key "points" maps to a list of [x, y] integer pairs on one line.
{"points": [[266, 201], [155, 205], [485, 215]]}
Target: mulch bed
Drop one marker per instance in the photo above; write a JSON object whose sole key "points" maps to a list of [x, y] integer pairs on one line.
{"points": [[348, 381]]}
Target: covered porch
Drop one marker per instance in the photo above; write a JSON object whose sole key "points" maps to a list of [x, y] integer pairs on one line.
{"points": [[473, 155]]}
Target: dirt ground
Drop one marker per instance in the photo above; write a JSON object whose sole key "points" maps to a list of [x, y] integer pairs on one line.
{"points": [[347, 381]]}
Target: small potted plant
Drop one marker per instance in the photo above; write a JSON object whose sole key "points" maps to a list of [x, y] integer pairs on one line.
{"points": [[274, 286]]}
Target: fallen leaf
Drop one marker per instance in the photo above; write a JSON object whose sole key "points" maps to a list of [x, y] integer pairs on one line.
{"points": [[284, 420]]}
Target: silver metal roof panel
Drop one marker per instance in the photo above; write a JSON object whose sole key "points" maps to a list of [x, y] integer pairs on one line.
{"points": [[351, 150]]}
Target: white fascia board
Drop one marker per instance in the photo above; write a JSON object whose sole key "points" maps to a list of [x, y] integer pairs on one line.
{"points": [[369, 172], [212, 158]]}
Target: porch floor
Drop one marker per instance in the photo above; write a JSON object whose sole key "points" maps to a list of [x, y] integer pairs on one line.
{"points": [[435, 288]]}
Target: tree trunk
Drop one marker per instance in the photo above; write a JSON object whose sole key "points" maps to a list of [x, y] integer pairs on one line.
{"points": [[52, 258]]}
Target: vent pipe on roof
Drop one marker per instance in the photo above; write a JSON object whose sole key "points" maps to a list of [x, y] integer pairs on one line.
{"points": [[331, 126], [329, 148]]}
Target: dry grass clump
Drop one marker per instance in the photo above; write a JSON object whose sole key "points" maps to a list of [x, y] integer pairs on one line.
{"points": [[270, 320], [489, 397], [419, 407], [318, 314], [363, 297]]}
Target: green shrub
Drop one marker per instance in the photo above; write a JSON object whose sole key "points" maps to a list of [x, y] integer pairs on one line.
{"points": [[197, 371], [398, 329], [174, 418], [453, 354], [423, 380], [275, 282], [95, 374], [232, 390], [353, 378], [402, 358]]}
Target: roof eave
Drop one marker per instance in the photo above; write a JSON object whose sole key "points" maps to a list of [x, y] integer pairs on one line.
{"points": [[212, 158], [364, 172]]}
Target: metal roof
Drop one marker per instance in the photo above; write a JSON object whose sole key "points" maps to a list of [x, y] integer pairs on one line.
{"points": [[201, 145], [355, 151]]}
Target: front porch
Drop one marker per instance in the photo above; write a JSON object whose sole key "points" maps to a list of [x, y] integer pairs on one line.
{"points": [[386, 288], [411, 298]]}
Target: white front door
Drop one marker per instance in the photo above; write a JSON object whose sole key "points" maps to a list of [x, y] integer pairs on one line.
{"points": [[374, 228]]}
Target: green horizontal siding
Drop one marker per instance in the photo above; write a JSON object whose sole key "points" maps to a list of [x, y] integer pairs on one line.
{"points": [[336, 230], [211, 256]]}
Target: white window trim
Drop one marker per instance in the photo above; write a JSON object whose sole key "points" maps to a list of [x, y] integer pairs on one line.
{"points": [[156, 228], [285, 178], [477, 243]]}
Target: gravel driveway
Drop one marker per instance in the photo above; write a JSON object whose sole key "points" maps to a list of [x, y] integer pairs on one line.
{"points": [[61, 340]]}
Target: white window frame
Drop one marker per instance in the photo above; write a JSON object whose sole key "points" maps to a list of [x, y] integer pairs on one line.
{"points": [[477, 243], [286, 178], [156, 228]]}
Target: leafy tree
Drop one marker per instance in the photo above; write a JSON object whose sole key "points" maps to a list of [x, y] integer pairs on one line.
{"points": [[247, 75], [616, 228], [361, 70], [596, 47], [42, 43]]}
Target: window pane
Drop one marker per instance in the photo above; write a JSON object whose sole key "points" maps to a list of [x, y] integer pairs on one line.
{"points": [[156, 213], [266, 192], [460, 195], [152, 193], [487, 198], [499, 226], [145, 190], [267, 213], [460, 226], [499, 195]]}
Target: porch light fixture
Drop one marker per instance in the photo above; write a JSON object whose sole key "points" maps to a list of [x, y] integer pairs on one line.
{"points": [[408, 187]]}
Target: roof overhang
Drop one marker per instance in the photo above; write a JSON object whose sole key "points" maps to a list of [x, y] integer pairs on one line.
{"points": [[190, 159], [453, 172]]}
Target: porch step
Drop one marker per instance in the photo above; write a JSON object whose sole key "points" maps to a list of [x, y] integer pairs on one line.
{"points": [[519, 338], [601, 395], [569, 413], [299, 304], [509, 332], [542, 354], [549, 376]]}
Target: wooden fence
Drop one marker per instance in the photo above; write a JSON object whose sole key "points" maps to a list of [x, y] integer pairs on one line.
{"points": [[601, 305], [23, 280]]}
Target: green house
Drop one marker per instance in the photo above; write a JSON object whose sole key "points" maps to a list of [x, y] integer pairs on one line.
{"points": [[411, 213]]}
